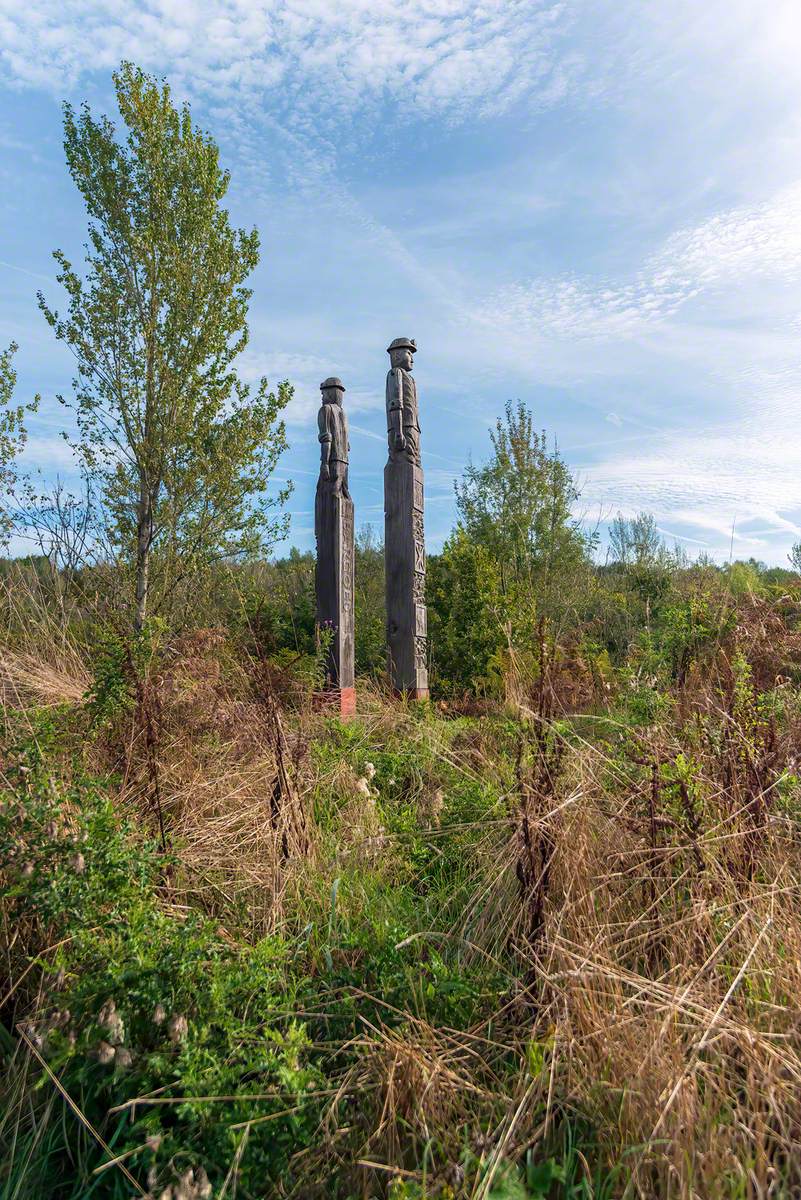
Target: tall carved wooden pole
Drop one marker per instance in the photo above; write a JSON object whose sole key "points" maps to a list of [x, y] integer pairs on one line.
{"points": [[404, 538], [333, 528]]}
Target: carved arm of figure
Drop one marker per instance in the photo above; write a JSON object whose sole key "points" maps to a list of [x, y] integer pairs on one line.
{"points": [[325, 439], [398, 441]]}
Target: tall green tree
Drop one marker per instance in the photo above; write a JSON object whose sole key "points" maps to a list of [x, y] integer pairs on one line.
{"points": [[636, 539], [181, 451], [519, 507], [513, 573]]}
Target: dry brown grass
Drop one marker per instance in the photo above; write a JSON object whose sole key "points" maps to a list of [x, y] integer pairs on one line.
{"points": [[40, 660], [208, 756], [662, 987], [677, 1024], [654, 936], [667, 973], [26, 679]]}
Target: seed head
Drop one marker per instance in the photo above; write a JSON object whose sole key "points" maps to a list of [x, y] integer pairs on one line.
{"points": [[202, 1184], [105, 1054], [186, 1186], [110, 1020], [177, 1028]]}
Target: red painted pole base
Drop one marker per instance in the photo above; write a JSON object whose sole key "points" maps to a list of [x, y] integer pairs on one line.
{"points": [[337, 699]]}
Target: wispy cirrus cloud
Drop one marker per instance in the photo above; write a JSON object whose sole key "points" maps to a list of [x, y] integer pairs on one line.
{"points": [[306, 372], [727, 484], [762, 241]]}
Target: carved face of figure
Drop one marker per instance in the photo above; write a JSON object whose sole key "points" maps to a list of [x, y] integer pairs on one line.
{"points": [[401, 357], [332, 396]]}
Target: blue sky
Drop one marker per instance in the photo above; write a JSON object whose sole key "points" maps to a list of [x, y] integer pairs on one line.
{"points": [[590, 205]]}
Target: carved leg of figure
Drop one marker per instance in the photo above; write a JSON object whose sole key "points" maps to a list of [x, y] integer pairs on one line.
{"points": [[339, 476]]}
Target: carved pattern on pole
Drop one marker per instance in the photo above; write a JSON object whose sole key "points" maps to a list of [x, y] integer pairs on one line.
{"points": [[334, 532], [404, 532]]}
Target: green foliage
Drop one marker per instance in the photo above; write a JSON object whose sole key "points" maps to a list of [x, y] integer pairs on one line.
{"points": [[467, 614], [513, 569], [12, 432], [744, 579], [636, 540], [369, 605], [691, 629], [278, 605], [134, 1002], [118, 665], [518, 506], [180, 450]]}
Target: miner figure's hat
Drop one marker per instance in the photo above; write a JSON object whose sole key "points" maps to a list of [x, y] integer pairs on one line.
{"points": [[402, 344], [332, 382]]}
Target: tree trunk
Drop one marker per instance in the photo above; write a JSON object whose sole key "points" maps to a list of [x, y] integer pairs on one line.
{"points": [[144, 540]]}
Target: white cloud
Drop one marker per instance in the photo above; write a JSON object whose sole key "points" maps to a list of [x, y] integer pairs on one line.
{"points": [[713, 481], [762, 241], [714, 310], [305, 372], [312, 56]]}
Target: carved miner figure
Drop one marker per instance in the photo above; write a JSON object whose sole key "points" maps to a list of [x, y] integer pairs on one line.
{"points": [[332, 423], [404, 537], [403, 419], [333, 527]]}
